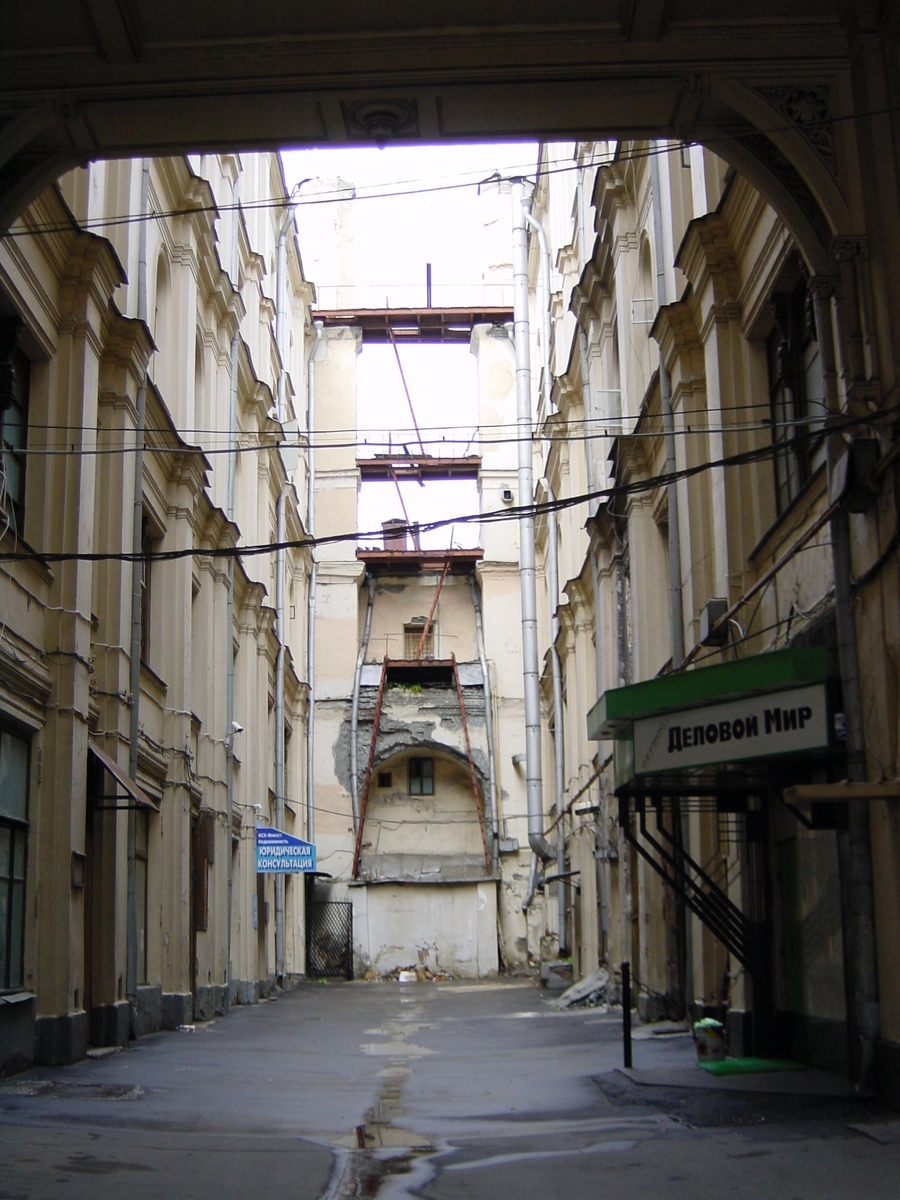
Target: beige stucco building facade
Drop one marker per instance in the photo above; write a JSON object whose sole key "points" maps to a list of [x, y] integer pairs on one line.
{"points": [[169, 321], [699, 365], [676, 289]]}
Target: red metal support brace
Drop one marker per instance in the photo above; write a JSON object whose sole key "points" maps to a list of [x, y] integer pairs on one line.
{"points": [[433, 607], [365, 795], [479, 803]]}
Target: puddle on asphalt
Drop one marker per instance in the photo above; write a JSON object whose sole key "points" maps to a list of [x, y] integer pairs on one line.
{"points": [[376, 1049], [379, 1150]]}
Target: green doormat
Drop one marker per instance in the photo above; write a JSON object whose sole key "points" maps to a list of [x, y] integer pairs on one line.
{"points": [[750, 1066]]}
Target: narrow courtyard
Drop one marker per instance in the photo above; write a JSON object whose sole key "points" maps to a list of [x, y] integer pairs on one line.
{"points": [[434, 1090]]}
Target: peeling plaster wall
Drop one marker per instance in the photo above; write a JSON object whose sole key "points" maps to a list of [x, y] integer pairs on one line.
{"points": [[444, 928]]}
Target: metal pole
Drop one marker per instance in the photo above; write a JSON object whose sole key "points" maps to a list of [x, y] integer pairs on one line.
{"points": [[229, 603], [856, 851], [558, 738], [136, 571], [676, 610], [626, 1014], [279, 727], [488, 717], [311, 599]]}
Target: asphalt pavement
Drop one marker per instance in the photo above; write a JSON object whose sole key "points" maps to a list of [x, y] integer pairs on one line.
{"points": [[437, 1090]]}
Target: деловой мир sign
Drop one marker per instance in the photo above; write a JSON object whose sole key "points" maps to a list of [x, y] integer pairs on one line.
{"points": [[753, 727]]}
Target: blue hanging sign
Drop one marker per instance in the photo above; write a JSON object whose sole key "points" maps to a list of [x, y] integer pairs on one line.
{"points": [[278, 852]]}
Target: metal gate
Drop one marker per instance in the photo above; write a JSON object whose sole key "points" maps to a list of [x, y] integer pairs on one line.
{"points": [[329, 938]]}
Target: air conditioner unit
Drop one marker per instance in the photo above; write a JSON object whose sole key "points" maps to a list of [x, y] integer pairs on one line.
{"points": [[712, 612]]}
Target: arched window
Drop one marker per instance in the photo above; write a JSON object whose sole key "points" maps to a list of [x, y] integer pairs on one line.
{"points": [[644, 311]]}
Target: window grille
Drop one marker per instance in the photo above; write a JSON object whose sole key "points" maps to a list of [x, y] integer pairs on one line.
{"points": [[412, 635]]}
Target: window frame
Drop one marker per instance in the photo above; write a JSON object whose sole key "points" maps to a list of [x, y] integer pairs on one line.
{"points": [[15, 448], [417, 774], [790, 364], [146, 588], [412, 635], [19, 828]]}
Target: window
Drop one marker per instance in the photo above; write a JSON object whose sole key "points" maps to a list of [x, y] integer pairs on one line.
{"points": [[13, 848], [421, 776], [796, 394], [385, 779], [15, 379], [141, 846], [146, 551], [412, 636]]}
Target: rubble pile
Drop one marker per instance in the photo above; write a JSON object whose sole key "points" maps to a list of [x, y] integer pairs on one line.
{"points": [[590, 992]]}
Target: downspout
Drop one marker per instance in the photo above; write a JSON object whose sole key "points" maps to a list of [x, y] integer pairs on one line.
{"points": [[354, 707], [531, 681], [587, 397], [311, 603], [136, 570], [532, 884], [280, 321], [488, 717], [229, 605], [558, 742], [279, 725], [676, 610], [544, 284]]}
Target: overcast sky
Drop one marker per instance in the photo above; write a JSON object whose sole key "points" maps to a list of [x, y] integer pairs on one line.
{"points": [[428, 210]]}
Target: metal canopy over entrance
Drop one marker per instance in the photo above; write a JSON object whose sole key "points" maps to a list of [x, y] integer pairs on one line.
{"points": [[725, 740]]}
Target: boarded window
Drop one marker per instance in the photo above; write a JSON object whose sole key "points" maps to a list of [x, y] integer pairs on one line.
{"points": [[421, 776]]}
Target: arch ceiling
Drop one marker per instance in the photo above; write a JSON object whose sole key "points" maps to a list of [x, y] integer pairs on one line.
{"points": [[85, 79]]}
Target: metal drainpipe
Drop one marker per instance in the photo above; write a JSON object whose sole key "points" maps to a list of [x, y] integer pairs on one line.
{"points": [[587, 398], [311, 603], [280, 321], [279, 726], [354, 707], [532, 884], [135, 650], [545, 306], [859, 905], [558, 741], [536, 838], [488, 718], [676, 609], [229, 606]]}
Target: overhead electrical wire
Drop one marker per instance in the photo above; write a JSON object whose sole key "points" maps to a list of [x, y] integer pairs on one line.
{"points": [[398, 430], [653, 148], [511, 513], [399, 453]]}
